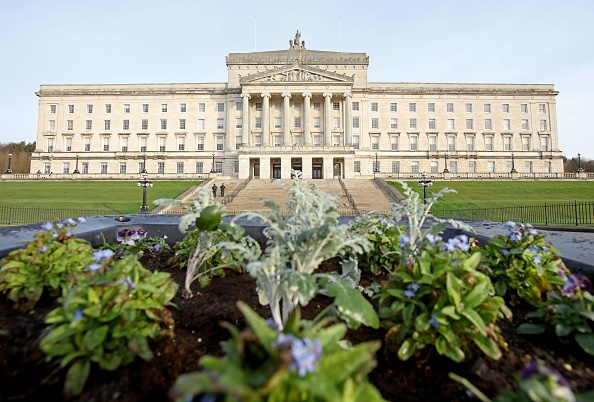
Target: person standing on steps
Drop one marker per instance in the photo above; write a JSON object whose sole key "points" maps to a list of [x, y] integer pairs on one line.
{"points": [[214, 190], [223, 190]]}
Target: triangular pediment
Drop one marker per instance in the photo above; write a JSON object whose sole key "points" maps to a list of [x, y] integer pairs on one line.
{"points": [[298, 74]]}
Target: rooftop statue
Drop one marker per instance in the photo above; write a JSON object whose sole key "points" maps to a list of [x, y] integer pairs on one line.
{"points": [[294, 43]]}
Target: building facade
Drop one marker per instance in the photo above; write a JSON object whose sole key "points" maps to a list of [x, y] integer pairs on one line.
{"points": [[300, 109]]}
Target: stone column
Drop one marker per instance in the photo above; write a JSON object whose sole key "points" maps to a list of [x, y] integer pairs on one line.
{"points": [[245, 115], [327, 122], [286, 125], [306, 118], [265, 120], [265, 167], [229, 127], [306, 166], [347, 124]]}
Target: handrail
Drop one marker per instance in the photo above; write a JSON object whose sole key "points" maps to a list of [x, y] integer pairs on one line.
{"points": [[229, 198], [349, 197]]}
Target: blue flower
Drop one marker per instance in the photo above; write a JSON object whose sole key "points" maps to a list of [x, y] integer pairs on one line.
{"points": [[510, 224], [408, 293], [433, 321], [95, 267], [42, 249], [47, 226], [430, 238], [504, 252], [536, 260], [127, 282], [414, 286], [404, 240], [545, 248], [101, 254], [534, 249], [81, 220], [77, 316], [515, 236], [69, 221], [380, 232], [305, 354], [384, 222]]}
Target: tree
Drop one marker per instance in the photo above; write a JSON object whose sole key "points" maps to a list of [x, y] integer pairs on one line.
{"points": [[20, 162]]}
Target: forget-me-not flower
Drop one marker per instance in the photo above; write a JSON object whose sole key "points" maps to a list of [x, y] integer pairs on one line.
{"points": [[101, 254], [77, 316], [504, 252], [534, 249], [433, 321], [47, 226], [536, 260], [305, 354]]}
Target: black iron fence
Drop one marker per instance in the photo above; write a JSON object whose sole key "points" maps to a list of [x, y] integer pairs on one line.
{"points": [[20, 215], [570, 213]]}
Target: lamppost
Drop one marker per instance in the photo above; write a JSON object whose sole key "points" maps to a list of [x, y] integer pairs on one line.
{"points": [[445, 162], [213, 164], [144, 164], [144, 183], [76, 171], [375, 167], [513, 170], [9, 170], [580, 163], [425, 183]]}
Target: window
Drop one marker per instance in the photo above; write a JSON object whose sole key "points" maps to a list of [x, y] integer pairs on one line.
{"points": [[431, 107], [51, 126], [105, 141], [542, 108], [162, 144], [543, 125], [235, 166], [126, 125], [336, 106], [470, 144], [545, 143], [107, 108], [50, 145], [528, 167], [107, 125], [238, 106], [469, 124], [124, 144], [526, 143], [505, 107], [433, 143], [297, 122], [258, 106], [87, 144], [179, 167], [487, 108], [220, 107], [122, 167], [239, 122], [489, 143], [85, 167], [199, 167], [140, 167], [278, 122], [297, 106], [88, 125], [376, 166], [394, 123], [453, 167], [336, 122], [219, 167], [160, 167], [277, 106], [164, 107], [506, 124], [524, 108], [394, 143], [355, 106], [181, 143], [278, 141], [127, 108], [200, 143], [393, 107], [70, 109], [395, 166], [163, 124], [375, 142], [355, 142], [144, 124], [432, 124], [374, 123], [52, 109], [317, 140], [414, 143], [219, 142], [317, 106], [412, 107], [451, 143], [525, 124], [374, 107], [469, 108], [413, 123], [355, 122], [258, 122], [471, 167], [257, 140], [450, 108], [201, 124], [507, 143], [103, 167], [47, 168], [488, 124], [451, 125], [316, 122], [414, 167], [69, 125], [143, 142], [434, 167], [182, 107], [145, 108], [357, 167], [336, 141], [201, 107], [491, 167], [89, 108]]}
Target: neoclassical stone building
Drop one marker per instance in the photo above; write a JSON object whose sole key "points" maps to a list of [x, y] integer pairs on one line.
{"points": [[299, 109]]}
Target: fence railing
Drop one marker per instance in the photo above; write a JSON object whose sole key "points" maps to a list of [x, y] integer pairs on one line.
{"points": [[569, 213], [20, 215]]}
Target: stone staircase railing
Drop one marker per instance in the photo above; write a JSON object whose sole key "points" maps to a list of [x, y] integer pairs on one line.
{"points": [[349, 197]]}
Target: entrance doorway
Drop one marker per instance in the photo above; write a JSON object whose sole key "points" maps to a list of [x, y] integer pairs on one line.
{"points": [[337, 170], [276, 171], [317, 171], [257, 170]]}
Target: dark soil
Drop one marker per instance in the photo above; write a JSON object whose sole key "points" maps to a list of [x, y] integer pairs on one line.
{"points": [[25, 376]]}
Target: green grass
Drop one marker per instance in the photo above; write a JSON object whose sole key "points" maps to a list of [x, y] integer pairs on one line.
{"points": [[493, 194], [116, 196]]}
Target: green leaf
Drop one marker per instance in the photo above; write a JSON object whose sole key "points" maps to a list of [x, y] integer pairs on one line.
{"points": [[475, 319], [352, 304], [562, 330], [487, 345], [454, 353], [527, 328], [450, 311], [586, 342], [588, 314], [406, 350], [453, 291], [94, 337], [76, 377], [477, 295], [209, 219], [265, 334], [500, 287]]}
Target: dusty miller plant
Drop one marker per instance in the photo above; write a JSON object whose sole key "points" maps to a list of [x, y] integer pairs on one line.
{"points": [[295, 247]]}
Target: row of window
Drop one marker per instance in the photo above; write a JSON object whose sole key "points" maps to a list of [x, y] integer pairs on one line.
{"points": [[317, 123], [220, 107], [123, 168], [435, 167]]}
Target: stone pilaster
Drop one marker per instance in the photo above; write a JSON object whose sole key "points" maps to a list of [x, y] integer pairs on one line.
{"points": [[327, 122], [286, 123], [306, 118], [265, 121], [347, 124], [245, 115]]}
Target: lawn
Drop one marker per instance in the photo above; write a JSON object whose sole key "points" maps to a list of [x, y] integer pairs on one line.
{"points": [[493, 194], [115, 196]]}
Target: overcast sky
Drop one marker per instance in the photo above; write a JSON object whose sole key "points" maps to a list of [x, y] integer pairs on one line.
{"points": [[146, 41]]}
